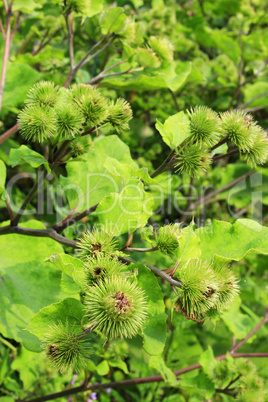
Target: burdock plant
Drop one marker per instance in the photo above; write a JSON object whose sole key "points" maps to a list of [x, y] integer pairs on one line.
{"points": [[199, 289], [167, 239], [205, 126], [65, 347], [101, 267], [116, 307], [96, 243]]}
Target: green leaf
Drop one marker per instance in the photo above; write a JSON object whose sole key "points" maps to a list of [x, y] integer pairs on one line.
{"points": [[239, 195], [23, 74], [25, 6], [154, 330], [175, 129], [88, 180], [127, 211], [68, 285], [119, 363], [200, 384], [72, 279], [66, 263], [69, 309], [207, 359], [24, 281], [96, 7], [113, 20], [103, 368], [254, 90], [189, 245], [157, 362], [72, 268], [3, 175], [233, 241], [226, 44], [27, 155], [137, 82], [29, 364], [125, 172], [238, 323]]}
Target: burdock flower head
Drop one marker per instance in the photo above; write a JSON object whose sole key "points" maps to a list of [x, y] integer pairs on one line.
{"points": [[101, 267], [116, 307], [168, 239], [95, 243], [199, 290], [65, 347], [204, 125]]}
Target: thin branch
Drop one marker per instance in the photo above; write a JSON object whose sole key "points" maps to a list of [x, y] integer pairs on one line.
{"points": [[221, 142], [6, 55], [28, 199], [6, 6], [134, 381], [86, 59], [232, 382], [70, 220], [254, 109], [204, 200], [43, 44], [242, 211], [40, 180], [10, 212], [174, 97], [156, 271], [163, 166], [17, 24], [2, 29], [241, 343], [51, 233], [102, 75], [97, 53], [221, 156], [91, 50], [69, 25], [253, 99], [9, 133], [140, 250]]}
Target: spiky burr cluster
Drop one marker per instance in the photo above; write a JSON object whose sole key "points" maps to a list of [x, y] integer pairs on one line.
{"points": [[56, 113], [207, 129]]}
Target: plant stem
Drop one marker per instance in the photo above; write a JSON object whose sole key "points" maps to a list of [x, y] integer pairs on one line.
{"points": [[241, 343], [174, 97], [101, 75], [205, 200], [43, 44], [28, 199], [162, 167], [69, 25], [6, 53], [221, 142], [86, 60], [221, 156], [9, 133], [2, 29], [253, 99], [156, 271], [51, 233], [70, 220], [140, 250], [40, 180]]}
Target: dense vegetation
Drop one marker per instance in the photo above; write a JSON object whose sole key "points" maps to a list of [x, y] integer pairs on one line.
{"points": [[133, 200]]}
